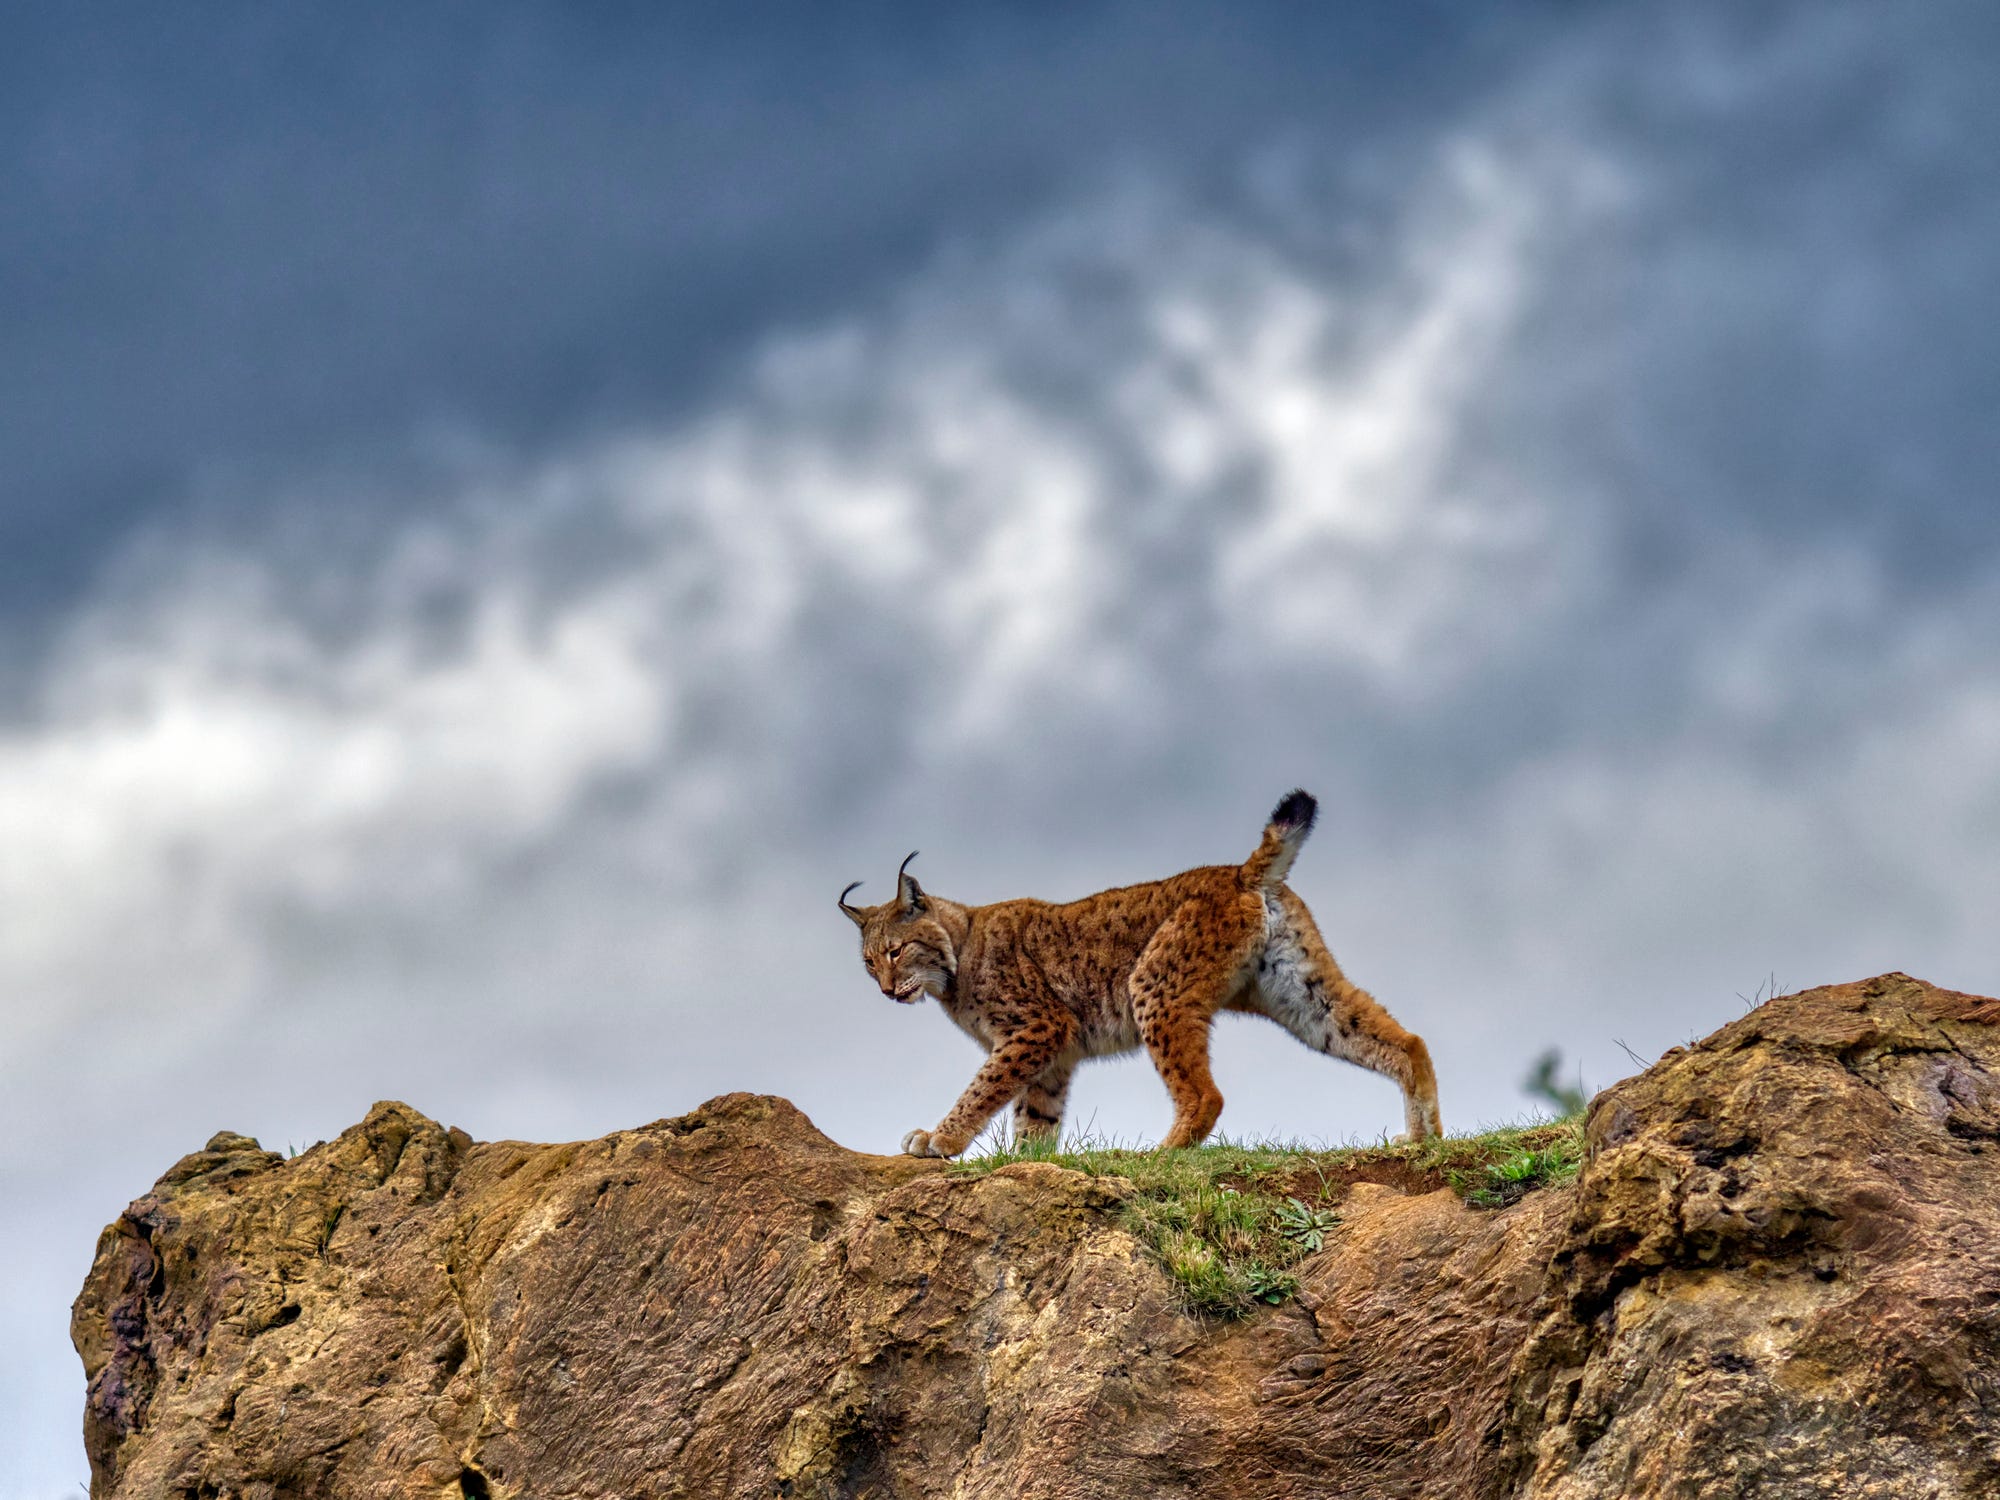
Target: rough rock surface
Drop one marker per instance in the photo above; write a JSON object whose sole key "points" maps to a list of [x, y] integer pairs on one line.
{"points": [[1778, 1275]]}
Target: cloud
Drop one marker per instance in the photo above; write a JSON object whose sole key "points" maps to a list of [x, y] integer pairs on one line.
{"points": [[899, 548], [1062, 558], [204, 759]]}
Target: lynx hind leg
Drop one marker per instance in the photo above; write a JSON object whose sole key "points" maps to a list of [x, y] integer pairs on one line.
{"points": [[1301, 988], [1190, 969], [1038, 1113]]}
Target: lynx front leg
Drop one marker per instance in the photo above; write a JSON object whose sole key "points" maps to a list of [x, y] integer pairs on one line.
{"points": [[1011, 1067], [1038, 1113]]}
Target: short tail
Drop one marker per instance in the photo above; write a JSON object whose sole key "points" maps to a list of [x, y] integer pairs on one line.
{"points": [[1291, 821]]}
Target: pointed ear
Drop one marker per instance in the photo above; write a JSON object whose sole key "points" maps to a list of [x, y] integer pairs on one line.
{"points": [[908, 892], [854, 913]]}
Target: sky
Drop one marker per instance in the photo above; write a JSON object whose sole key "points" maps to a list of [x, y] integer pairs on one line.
{"points": [[508, 511]]}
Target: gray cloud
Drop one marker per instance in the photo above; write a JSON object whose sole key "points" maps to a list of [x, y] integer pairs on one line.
{"points": [[293, 242]]}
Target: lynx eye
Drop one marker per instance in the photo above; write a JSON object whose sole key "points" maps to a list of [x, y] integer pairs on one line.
{"points": [[897, 951]]}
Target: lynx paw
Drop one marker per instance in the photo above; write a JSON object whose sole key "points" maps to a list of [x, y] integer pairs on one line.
{"points": [[918, 1143]]}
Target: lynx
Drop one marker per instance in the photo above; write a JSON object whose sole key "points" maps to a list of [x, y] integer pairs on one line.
{"points": [[1042, 986]]}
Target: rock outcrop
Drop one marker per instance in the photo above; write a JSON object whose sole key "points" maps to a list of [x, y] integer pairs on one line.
{"points": [[1777, 1275]]}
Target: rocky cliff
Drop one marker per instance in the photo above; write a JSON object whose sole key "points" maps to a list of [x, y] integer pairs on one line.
{"points": [[1777, 1274]]}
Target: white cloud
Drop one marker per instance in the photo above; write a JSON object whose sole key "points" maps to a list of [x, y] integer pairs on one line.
{"points": [[203, 758], [1367, 543], [914, 509], [1087, 496], [1136, 510]]}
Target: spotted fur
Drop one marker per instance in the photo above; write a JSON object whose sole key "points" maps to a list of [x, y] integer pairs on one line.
{"points": [[1043, 986]]}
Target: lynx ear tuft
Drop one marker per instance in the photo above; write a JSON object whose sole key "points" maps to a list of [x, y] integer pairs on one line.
{"points": [[853, 913], [908, 892]]}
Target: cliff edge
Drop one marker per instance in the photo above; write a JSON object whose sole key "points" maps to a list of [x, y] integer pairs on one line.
{"points": [[1777, 1274]]}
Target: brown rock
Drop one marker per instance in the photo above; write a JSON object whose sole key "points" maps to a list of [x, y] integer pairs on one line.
{"points": [[1782, 1276], [1778, 1276]]}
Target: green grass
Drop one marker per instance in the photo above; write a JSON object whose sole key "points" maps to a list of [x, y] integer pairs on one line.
{"points": [[1230, 1220], [1521, 1170]]}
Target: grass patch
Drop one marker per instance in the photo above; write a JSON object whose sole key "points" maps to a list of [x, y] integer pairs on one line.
{"points": [[1230, 1220], [1523, 1169]]}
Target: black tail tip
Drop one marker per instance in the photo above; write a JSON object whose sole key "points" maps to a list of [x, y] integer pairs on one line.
{"points": [[1296, 810]]}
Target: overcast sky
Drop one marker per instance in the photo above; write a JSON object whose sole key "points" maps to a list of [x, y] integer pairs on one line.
{"points": [[506, 513]]}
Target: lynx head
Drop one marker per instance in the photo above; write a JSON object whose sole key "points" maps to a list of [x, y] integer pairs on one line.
{"points": [[903, 943]]}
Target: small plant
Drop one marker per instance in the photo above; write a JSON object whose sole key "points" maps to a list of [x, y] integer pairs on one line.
{"points": [[1303, 1226], [1544, 1082], [1770, 989], [1514, 1176], [1269, 1284]]}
